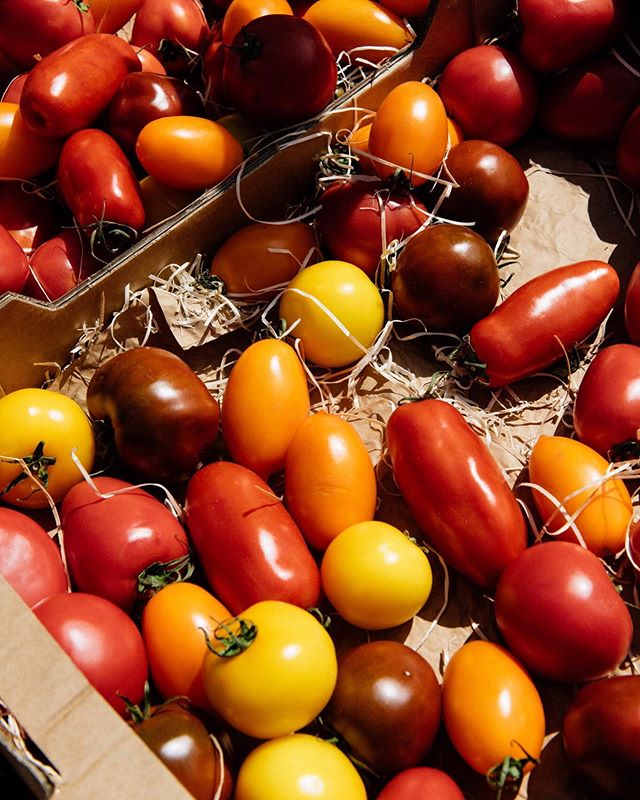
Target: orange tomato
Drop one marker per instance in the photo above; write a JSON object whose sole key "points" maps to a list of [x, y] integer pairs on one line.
{"points": [[362, 24], [188, 152], [410, 131], [456, 134], [173, 626], [491, 707], [330, 483], [111, 15], [261, 256], [564, 467], [407, 8], [23, 154], [242, 11], [265, 399], [359, 141]]}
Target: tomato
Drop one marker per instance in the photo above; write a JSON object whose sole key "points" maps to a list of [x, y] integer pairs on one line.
{"points": [[187, 152], [123, 547], [361, 28], [375, 576], [329, 480], [632, 306], [29, 559], [446, 276], [31, 29], [15, 265], [31, 218], [240, 12], [59, 265], [357, 220], [358, 142], [256, 260], [279, 71], [299, 767], [627, 155], [164, 420], [23, 154], [13, 92], [421, 783], [386, 706], [574, 474], [266, 398], [273, 673], [149, 62], [492, 190], [455, 132], [42, 427], [601, 738], [337, 312], [542, 320], [455, 490], [560, 34], [407, 8], [248, 544], [101, 640], [491, 708], [111, 15], [409, 131], [491, 92], [71, 87]]}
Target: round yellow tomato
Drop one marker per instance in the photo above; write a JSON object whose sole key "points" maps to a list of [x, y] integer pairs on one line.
{"points": [[573, 473], [23, 154], [281, 680], [188, 152], [337, 310], [375, 576], [240, 12], [43, 427]]}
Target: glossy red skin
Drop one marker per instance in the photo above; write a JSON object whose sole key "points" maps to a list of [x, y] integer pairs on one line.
{"points": [[110, 541], [606, 411], [601, 735], [29, 559], [455, 490], [14, 265], [543, 319], [560, 614], [13, 92], [101, 640], [632, 306], [628, 152], [248, 544], [421, 783], [557, 34], [291, 79], [59, 265], [165, 422], [590, 102], [29, 218], [491, 93], [386, 705], [212, 71], [350, 221], [97, 183], [31, 28]]}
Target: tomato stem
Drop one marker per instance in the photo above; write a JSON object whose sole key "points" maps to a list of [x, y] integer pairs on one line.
{"points": [[629, 450], [83, 7], [465, 356], [250, 48], [235, 635], [509, 773], [323, 619], [161, 573], [37, 466]]}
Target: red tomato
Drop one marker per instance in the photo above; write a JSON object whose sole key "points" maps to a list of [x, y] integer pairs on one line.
{"points": [[542, 320], [249, 545], [29, 559], [632, 306], [28, 216], [455, 489], [111, 15], [71, 87], [101, 640], [628, 152], [59, 265], [124, 547], [13, 92], [491, 93], [421, 783], [23, 154], [560, 614], [14, 265]]}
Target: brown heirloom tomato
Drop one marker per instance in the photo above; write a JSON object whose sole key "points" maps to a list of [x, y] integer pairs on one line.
{"points": [[164, 420]]}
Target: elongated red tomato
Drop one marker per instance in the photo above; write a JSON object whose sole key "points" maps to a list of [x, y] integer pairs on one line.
{"points": [[59, 265], [248, 544], [14, 266], [542, 320], [455, 490]]}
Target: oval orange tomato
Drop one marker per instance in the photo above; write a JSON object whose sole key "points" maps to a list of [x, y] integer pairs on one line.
{"points": [[23, 154]]}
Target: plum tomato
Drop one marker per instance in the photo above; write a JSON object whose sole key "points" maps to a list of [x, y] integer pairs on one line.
{"points": [[14, 271]]}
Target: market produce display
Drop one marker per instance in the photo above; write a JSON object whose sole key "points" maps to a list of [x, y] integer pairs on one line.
{"points": [[372, 533]]}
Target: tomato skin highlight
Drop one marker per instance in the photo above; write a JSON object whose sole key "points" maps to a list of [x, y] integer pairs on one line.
{"points": [[542, 319], [455, 490]]}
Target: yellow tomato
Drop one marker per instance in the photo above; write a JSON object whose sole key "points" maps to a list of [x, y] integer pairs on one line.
{"points": [[338, 311], [573, 473], [23, 154], [456, 134], [240, 12], [375, 576]]}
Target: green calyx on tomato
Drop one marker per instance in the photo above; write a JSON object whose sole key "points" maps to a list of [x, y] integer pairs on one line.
{"points": [[464, 356], [112, 237], [250, 48], [81, 6], [161, 573], [509, 772], [36, 464], [234, 634]]}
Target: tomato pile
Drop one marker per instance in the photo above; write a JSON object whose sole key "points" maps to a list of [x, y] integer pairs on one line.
{"points": [[233, 530]]}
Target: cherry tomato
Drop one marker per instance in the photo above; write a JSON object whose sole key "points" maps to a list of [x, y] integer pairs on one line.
{"points": [[248, 544], [101, 640], [337, 312], [491, 707], [29, 559], [111, 15], [330, 482], [410, 132], [42, 427], [421, 783], [273, 673], [575, 475], [15, 265], [266, 398], [30, 217], [58, 265], [240, 12], [23, 154], [455, 489], [627, 155]]}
